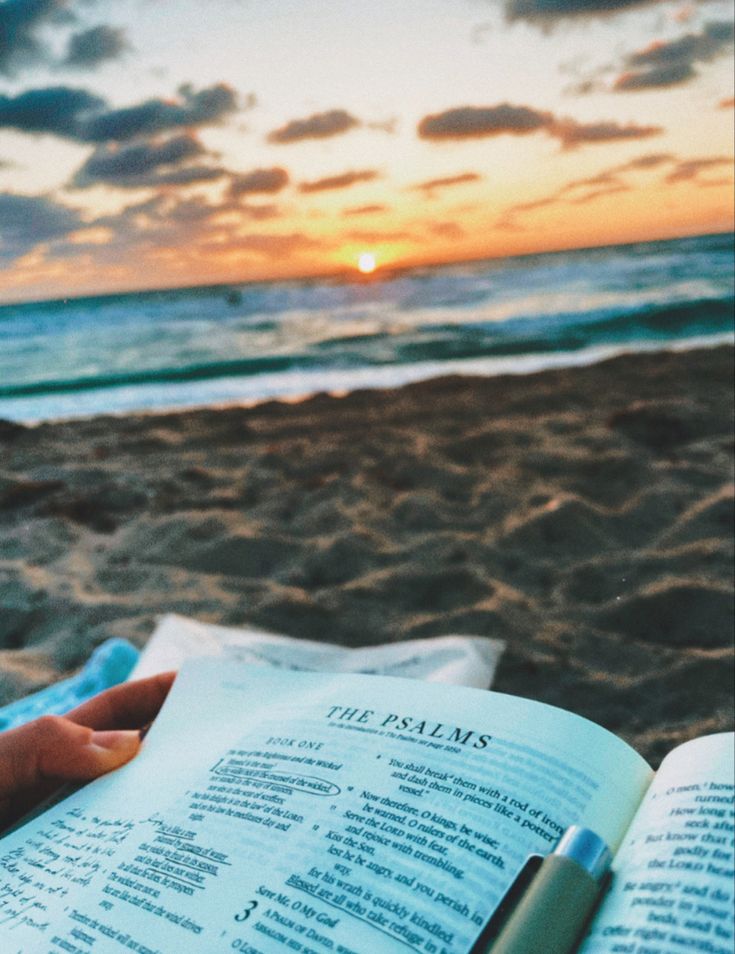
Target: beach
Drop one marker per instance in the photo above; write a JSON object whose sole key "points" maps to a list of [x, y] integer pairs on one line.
{"points": [[583, 515]]}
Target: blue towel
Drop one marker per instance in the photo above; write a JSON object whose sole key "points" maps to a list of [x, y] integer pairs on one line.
{"points": [[109, 664]]}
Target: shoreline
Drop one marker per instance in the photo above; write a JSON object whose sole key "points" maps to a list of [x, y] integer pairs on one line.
{"points": [[292, 387], [581, 514]]}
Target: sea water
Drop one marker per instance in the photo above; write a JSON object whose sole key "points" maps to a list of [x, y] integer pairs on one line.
{"points": [[247, 342]]}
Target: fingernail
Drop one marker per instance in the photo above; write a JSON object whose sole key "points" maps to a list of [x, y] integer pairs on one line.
{"points": [[116, 741]]}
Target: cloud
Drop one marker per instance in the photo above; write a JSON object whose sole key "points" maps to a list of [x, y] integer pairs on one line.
{"points": [[651, 160], [613, 180], [473, 122], [91, 48], [142, 164], [595, 194], [27, 221], [374, 237], [259, 180], [522, 207], [258, 213], [431, 185], [546, 13], [572, 134], [192, 109], [173, 236], [55, 109], [688, 169], [365, 210], [19, 21], [447, 230], [467, 122], [318, 126], [85, 117], [267, 245], [343, 181], [160, 211], [665, 64]]}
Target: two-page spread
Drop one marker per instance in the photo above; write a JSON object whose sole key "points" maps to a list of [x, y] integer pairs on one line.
{"points": [[274, 811]]}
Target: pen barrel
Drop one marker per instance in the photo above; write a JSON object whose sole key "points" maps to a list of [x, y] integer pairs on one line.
{"points": [[551, 914]]}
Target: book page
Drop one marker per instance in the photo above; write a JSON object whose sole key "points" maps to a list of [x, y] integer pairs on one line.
{"points": [[460, 660], [673, 881], [272, 811]]}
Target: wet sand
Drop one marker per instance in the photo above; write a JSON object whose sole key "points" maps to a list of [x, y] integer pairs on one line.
{"points": [[584, 515]]}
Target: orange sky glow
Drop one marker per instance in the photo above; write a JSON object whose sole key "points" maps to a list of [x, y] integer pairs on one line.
{"points": [[144, 148]]}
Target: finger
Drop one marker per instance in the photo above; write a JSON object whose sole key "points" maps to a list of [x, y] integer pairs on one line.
{"points": [[53, 748], [127, 706]]}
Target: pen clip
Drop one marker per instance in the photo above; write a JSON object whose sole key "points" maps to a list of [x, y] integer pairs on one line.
{"points": [[508, 902]]}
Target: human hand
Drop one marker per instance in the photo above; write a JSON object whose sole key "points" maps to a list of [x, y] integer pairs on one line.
{"points": [[96, 737]]}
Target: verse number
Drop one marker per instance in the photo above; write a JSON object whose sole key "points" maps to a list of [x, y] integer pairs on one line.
{"points": [[246, 911]]}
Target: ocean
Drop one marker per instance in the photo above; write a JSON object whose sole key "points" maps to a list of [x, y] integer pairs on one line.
{"points": [[248, 342]]}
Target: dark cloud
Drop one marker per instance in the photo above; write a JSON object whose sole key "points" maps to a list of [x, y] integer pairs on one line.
{"points": [[153, 116], [688, 169], [463, 178], [318, 126], [365, 210], [473, 122], [19, 21], [656, 77], [139, 164], [266, 181], [82, 116], [467, 122], [27, 221], [60, 110], [546, 13], [672, 63], [91, 48], [343, 181], [572, 134]]}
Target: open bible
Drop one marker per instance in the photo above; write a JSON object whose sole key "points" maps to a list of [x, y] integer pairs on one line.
{"points": [[273, 811]]}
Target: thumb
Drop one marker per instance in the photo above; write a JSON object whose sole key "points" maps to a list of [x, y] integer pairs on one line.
{"points": [[54, 748], [85, 759]]}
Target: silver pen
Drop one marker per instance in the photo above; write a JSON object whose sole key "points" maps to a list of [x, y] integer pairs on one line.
{"points": [[549, 905]]}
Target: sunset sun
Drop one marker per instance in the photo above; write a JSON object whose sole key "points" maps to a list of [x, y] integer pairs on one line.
{"points": [[366, 263]]}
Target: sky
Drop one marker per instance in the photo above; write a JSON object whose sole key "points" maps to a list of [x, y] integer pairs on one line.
{"points": [[155, 143]]}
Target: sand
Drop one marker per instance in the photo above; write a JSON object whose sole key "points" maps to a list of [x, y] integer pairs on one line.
{"points": [[584, 515]]}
